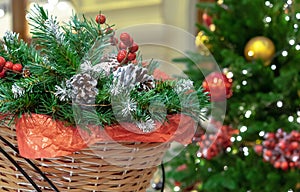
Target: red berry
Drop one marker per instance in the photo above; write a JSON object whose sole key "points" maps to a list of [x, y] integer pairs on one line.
{"points": [[109, 30], [268, 153], [294, 145], [284, 165], [122, 46], [121, 57], [2, 61], [8, 65], [258, 149], [282, 145], [126, 39], [133, 48], [292, 164], [17, 67], [277, 164], [2, 73], [100, 18], [131, 56]]}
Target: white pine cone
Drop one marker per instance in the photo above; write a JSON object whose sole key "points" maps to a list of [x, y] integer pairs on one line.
{"points": [[84, 88], [107, 65], [129, 76]]}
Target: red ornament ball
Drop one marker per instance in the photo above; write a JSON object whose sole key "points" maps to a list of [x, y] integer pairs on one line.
{"points": [[17, 67], [207, 20], [100, 18], [2, 61], [218, 86]]}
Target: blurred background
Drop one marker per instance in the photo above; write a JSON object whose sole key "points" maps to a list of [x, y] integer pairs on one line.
{"points": [[122, 13]]}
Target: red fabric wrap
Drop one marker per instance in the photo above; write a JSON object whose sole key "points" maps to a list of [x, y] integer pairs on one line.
{"points": [[39, 136]]}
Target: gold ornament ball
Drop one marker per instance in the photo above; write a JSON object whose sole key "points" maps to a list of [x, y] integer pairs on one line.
{"points": [[260, 48], [202, 40]]}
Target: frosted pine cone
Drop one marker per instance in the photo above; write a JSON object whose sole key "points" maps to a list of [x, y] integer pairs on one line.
{"points": [[127, 77], [107, 66], [84, 88]]}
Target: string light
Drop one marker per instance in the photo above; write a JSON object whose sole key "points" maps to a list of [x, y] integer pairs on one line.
{"points": [[268, 4], [232, 139], [176, 188], [297, 47], [298, 119], [289, 2], [248, 114], [241, 108], [244, 72], [228, 149], [298, 113], [246, 151], [229, 75], [290, 118], [296, 26], [244, 82], [268, 19], [243, 129], [287, 18], [239, 138], [284, 53], [273, 67], [261, 133], [298, 15], [225, 168], [292, 42], [279, 104]]}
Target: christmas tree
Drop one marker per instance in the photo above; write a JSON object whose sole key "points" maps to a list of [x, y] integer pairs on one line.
{"points": [[257, 147]]}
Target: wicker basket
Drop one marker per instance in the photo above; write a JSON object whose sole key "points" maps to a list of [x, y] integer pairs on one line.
{"points": [[102, 167]]}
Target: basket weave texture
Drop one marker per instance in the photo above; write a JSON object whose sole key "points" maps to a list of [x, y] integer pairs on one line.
{"points": [[109, 166]]}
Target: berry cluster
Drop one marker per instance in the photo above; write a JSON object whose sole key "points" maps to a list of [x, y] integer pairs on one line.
{"points": [[282, 149], [218, 86], [213, 144], [127, 49], [9, 66]]}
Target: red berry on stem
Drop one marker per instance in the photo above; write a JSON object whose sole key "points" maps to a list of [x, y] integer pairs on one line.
{"points": [[258, 149], [2, 73], [8, 65], [294, 145], [17, 67], [121, 57], [131, 56], [268, 153], [277, 164], [126, 39], [109, 30], [2, 61], [122, 46], [100, 18], [133, 48], [284, 165]]}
